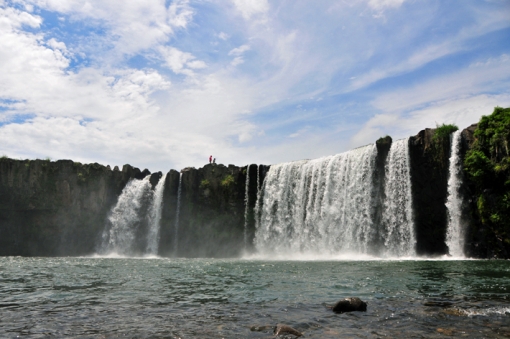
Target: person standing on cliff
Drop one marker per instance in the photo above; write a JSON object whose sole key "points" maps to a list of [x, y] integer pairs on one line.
{"points": [[210, 158]]}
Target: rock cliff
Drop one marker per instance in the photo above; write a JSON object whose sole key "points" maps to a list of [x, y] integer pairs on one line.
{"points": [[55, 208]]}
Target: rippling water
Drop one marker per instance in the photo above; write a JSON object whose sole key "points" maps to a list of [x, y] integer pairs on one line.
{"points": [[206, 298]]}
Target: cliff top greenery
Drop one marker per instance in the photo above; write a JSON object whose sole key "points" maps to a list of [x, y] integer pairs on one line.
{"points": [[443, 131]]}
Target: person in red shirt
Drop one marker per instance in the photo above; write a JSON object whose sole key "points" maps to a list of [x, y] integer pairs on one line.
{"points": [[210, 158]]}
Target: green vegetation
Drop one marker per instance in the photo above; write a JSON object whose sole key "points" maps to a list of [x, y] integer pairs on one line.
{"points": [[204, 184], [487, 165], [228, 181], [4, 157], [443, 132]]}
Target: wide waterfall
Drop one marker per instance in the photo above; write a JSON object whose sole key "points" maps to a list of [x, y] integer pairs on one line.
{"points": [[155, 218], [455, 233], [133, 225], [325, 207]]}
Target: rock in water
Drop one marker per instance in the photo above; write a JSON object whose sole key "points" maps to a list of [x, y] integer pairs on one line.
{"points": [[284, 329], [350, 305]]}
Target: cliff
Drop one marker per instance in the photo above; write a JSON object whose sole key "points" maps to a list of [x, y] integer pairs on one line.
{"points": [[56, 208], [211, 219]]}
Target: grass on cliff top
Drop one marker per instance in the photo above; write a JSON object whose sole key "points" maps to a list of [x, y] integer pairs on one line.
{"points": [[443, 131]]}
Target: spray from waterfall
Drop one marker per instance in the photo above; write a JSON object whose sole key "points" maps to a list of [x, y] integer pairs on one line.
{"points": [[455, 232], [155, 218], [176, 230], [246, 205], [125, 217], [397, 219]]}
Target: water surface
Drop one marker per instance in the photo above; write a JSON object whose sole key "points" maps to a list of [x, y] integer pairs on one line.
{"points": [[212, 298]]}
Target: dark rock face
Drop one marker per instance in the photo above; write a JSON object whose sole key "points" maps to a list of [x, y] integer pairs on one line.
{"points": [[55, 208], [383, 146], [429, 180], [350, 305], [211, 216]]}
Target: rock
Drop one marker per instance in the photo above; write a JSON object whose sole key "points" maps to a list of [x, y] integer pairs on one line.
{"points": [[350, 305], [280, 329], [154, 178]]}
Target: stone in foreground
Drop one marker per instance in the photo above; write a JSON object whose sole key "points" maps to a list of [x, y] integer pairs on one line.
{"points": [[350, 305], [280, 329]]}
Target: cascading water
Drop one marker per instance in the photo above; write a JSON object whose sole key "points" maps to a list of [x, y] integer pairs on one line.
{"points": [[176, 230], [326, 206], [397, 219], [124, 218], [246, 205], [318, 207], [454, 231], [155, 217]]}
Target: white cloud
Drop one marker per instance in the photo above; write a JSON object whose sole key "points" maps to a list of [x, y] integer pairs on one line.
{"points": [[251, 8], [180, 62], [134, 26], [381, 4], [223, 36], [239, 50], [461, 111], [449, 98]]}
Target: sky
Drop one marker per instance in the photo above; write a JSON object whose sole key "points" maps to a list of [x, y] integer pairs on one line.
{"points": [[163, 84]]}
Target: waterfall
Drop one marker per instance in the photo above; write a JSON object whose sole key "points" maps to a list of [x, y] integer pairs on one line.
{"points": [[125, 217], [246, 205], [155, 217], [454, 232], [176, 234], [318, 207], [397, 219], [258, 203]]}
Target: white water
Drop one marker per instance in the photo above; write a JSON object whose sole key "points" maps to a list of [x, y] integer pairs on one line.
{"points": [[155, 218], [455, 231], [246, 205], [318, 207], [176, 230], [397, 219], [125, 217]]}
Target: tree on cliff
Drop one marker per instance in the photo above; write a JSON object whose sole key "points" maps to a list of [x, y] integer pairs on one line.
{"points": [[487, 165]]}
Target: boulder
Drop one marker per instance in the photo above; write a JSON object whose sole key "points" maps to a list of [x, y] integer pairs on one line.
{"points": [[350, 305]]}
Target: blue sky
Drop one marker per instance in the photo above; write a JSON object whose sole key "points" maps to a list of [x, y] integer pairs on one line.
{"points": [[164, 84]]}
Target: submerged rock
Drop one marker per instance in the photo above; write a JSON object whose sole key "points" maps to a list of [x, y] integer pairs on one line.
{"points": [[280, 329], [350, 305]]}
